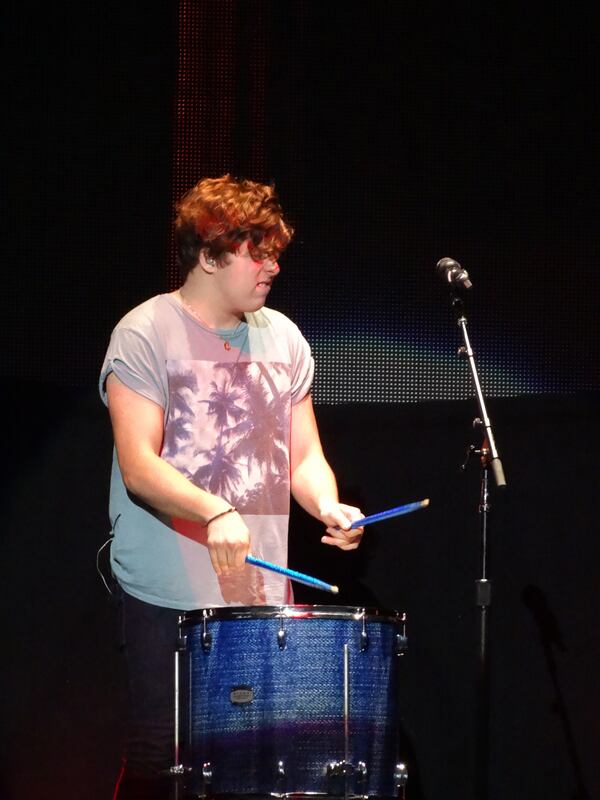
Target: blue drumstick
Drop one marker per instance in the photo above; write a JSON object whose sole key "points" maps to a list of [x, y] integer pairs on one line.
{"points": [[292, 574], [392, 512]]}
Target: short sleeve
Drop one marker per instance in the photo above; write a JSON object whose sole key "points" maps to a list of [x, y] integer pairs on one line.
{"points": [[303, 366], [135, 359]]}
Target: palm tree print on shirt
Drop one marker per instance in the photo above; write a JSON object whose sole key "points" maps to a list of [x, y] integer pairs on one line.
{"points": [[232, 439]]}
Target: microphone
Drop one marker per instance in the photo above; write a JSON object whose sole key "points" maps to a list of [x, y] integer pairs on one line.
{"points": [[451, 272]]}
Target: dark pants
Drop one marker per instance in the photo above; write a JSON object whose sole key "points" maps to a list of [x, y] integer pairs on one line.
{"points": [[148, 642]]}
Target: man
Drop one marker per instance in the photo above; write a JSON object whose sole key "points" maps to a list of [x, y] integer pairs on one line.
{"points": [[209, 398]]}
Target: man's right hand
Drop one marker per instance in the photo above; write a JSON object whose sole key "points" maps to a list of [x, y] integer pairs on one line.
{"points": [[228, 540]]}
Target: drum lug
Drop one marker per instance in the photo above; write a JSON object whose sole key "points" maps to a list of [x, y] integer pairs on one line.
{"points": [[281, 636], [280, 776], [400, 779], [206, 638], [178, 771], [401, 644], [361, 778], [206, 778], [177, 775], [402, 639], [364, 638], [338, 773], [336, 769]]}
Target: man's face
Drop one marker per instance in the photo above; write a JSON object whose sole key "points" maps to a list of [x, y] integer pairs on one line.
{"points": [[243, 283]]}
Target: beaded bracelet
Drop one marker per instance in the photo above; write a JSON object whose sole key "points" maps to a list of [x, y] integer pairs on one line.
{"points": [[220, 514]]}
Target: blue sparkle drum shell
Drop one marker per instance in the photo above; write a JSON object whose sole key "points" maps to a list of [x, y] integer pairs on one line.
{"points": [[278, 700]]}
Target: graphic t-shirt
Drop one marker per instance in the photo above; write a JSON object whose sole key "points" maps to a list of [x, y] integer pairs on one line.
{"points": [[227, 403]]}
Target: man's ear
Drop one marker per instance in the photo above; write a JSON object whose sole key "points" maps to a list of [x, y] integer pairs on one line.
{"points": [[207, 263]]}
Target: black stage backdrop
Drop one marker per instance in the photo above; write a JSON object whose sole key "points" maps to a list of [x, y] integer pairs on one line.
{"points": [[396, 135]]}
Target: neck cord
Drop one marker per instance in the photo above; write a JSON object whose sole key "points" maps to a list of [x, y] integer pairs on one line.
{"points": [[227, 338]]}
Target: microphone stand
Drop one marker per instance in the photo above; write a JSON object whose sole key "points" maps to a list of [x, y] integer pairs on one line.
{"points": [[489, 461]]}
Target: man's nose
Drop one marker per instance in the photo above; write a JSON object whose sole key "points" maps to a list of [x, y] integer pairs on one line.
{"points": [[271, 267]]}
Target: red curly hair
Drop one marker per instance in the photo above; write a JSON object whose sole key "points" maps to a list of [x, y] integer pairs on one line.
{"points": [[219, 214]]}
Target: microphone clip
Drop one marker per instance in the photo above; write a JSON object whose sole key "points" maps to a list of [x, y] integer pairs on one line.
{"points": [[451, 272]]}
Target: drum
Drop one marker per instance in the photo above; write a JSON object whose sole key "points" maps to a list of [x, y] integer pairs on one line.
{"points": [[278, 700]]}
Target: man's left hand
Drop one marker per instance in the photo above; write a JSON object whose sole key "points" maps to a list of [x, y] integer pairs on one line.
{"points": [[338, 517]]}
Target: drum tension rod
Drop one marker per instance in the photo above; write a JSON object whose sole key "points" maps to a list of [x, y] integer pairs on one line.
{"points": [[281, 777], [281, 633], [207, 778], [401, 638], [206, 636], [401, 779]]}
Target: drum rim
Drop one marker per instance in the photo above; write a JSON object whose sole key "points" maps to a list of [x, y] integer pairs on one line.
{"points": [[296, 611]]}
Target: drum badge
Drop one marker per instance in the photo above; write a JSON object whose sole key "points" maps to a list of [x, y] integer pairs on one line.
{"points": [[241, 695]]}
